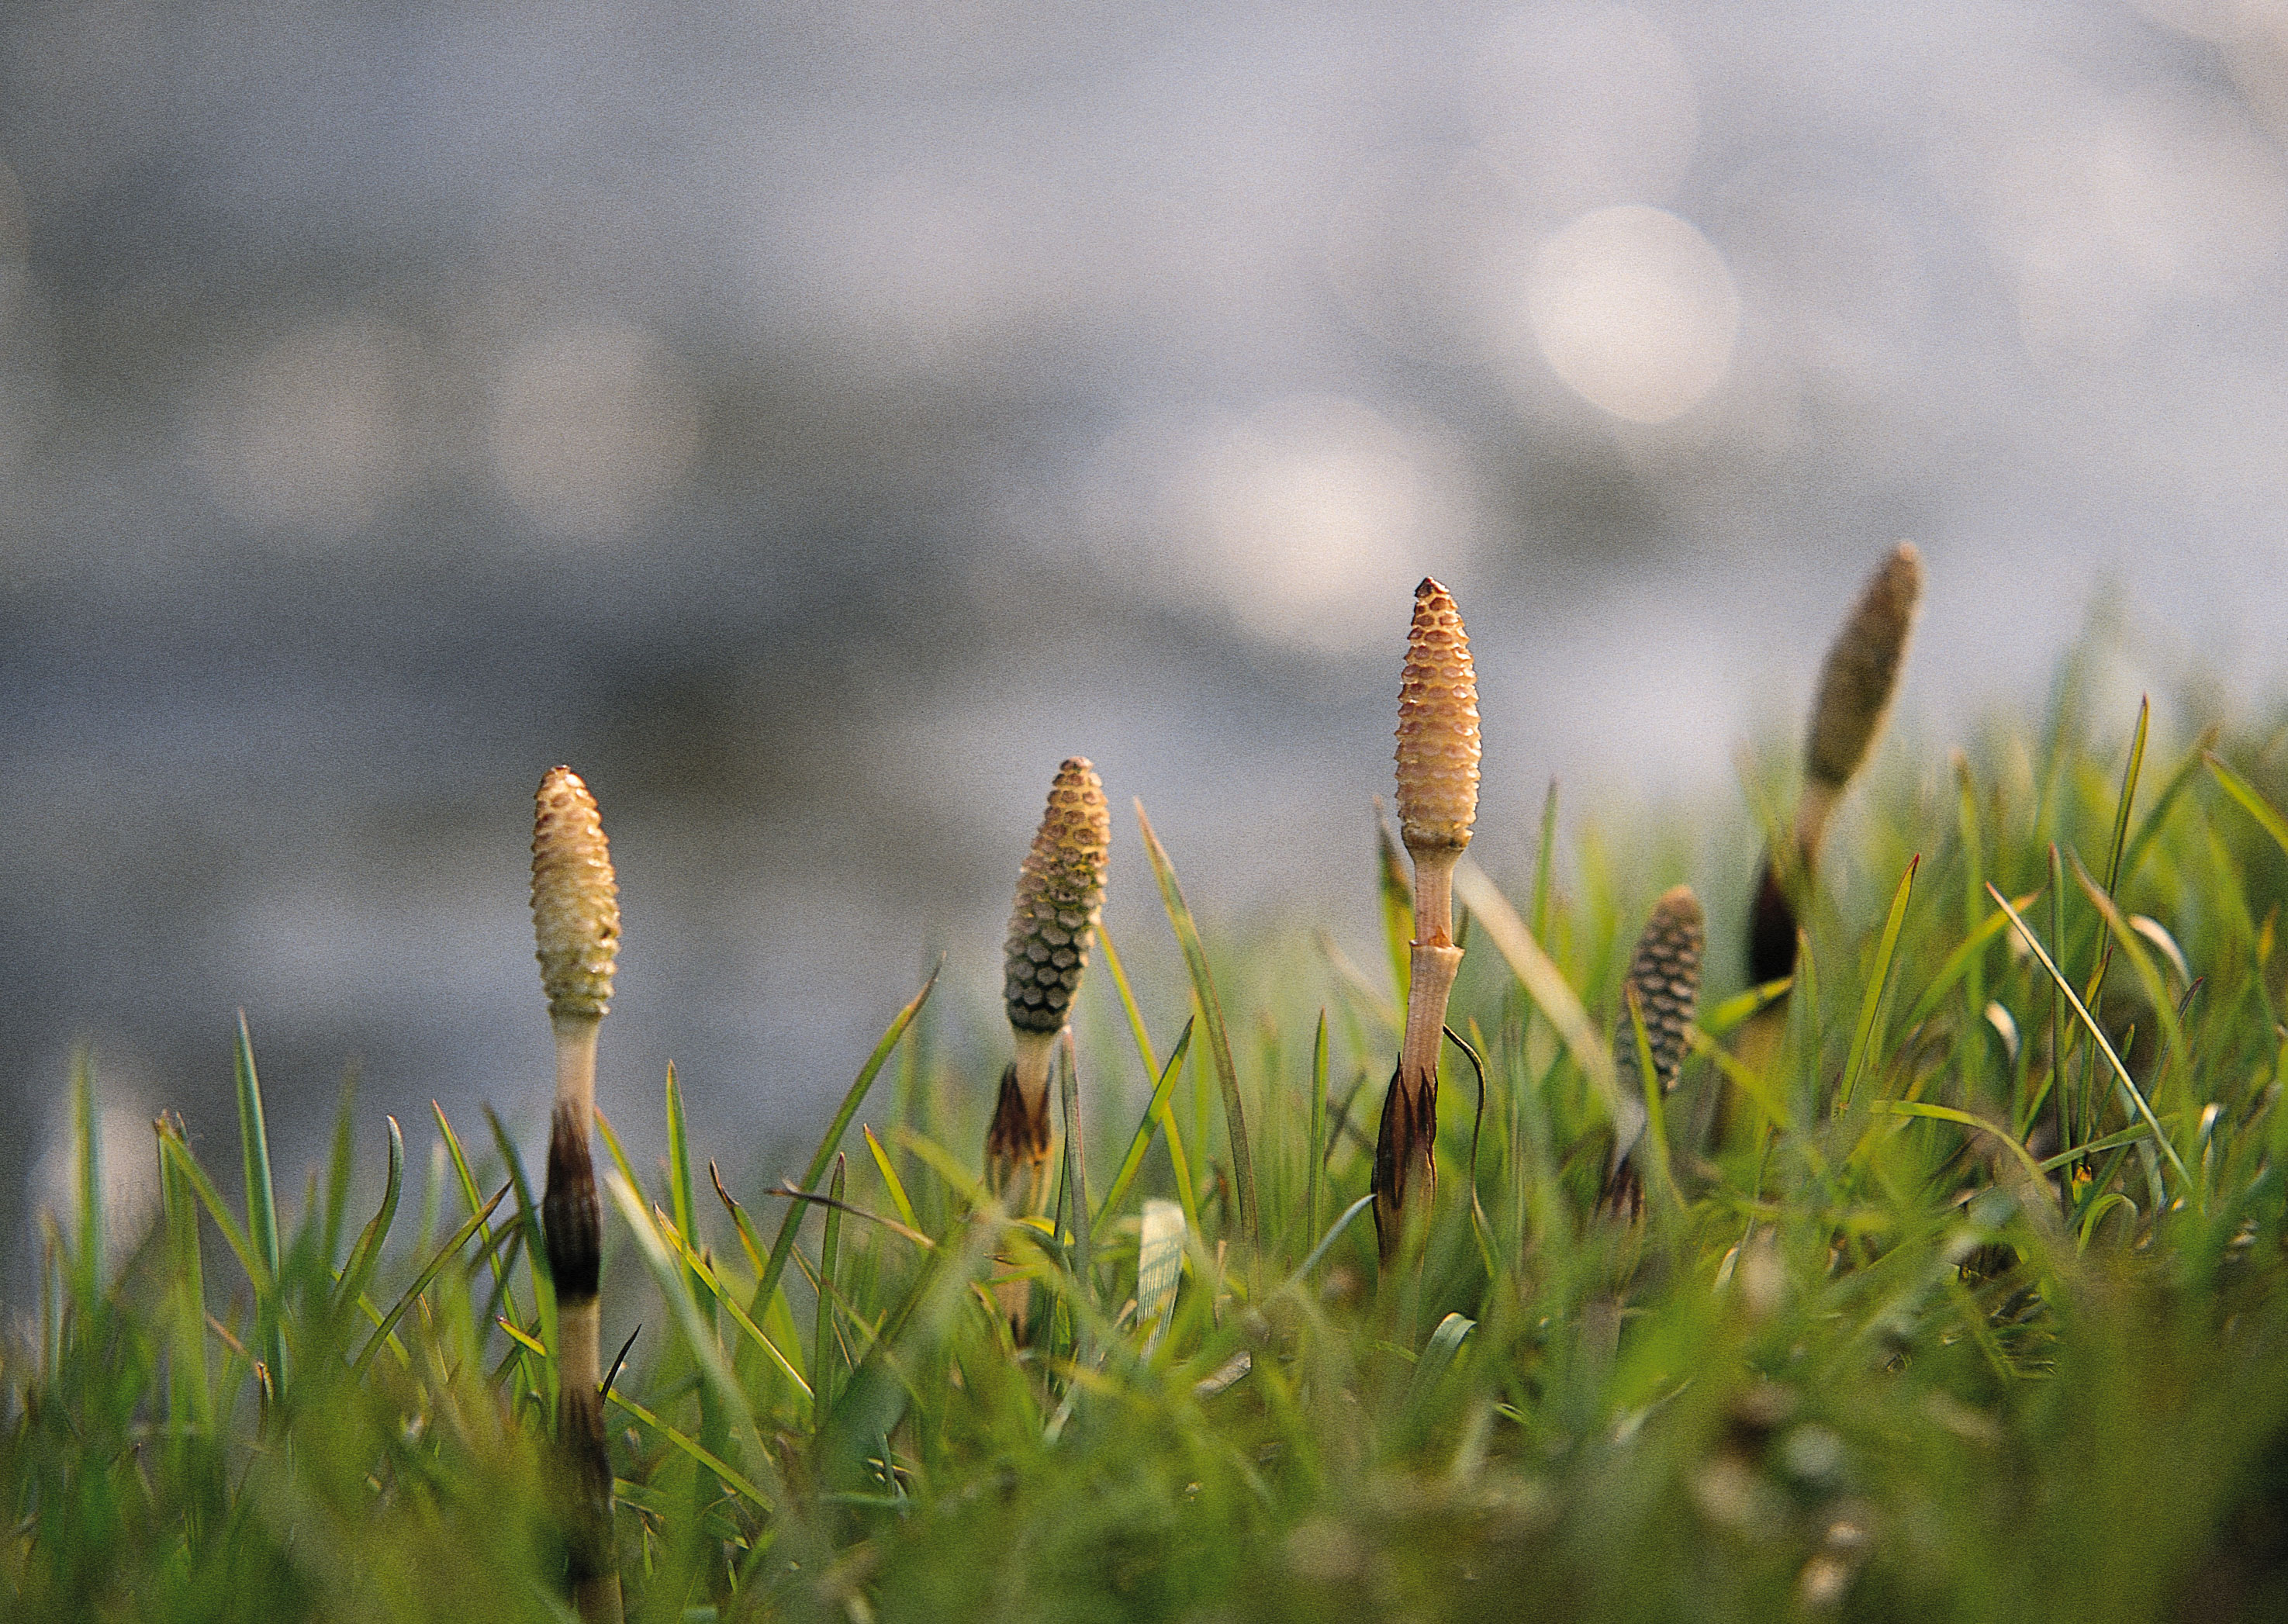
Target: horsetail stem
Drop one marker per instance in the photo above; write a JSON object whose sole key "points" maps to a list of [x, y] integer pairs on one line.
{"points": [[1856, 685], [1438, 752], [1052, 926], [575, 920], [1664, 986]]}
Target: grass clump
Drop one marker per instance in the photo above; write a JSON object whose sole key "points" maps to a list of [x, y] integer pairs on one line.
{"points": [[1975, 1309]]}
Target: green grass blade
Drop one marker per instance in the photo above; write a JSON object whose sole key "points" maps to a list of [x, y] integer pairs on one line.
{"points": [[2149, 829], [1962, 1119], [1156, 1111], [679, 1165], [1656, 1130], [2128, 796], [1316, 1145], [1326, 1241], [1128, 1001], [472, 1198], [2241, 790], [1438, 1356], [454, 1243], [87, 1183], [1394, 891], [667, 1271], [783, 1244], [233, 1233], [1543, 981], [366, 1253], [1878, 982], [261, 1205], [1958, 963], [190, 1402], [2132, 943], [1195, 961], [2136, 1095], [891, 1182], [823, 1351], [1544, 863], [341, 1163], [729, 1476], [1741, 1006], [535, 1251]]}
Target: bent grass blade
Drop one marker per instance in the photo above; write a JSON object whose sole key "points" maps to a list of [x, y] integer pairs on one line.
{"points": [[2034, 945]]}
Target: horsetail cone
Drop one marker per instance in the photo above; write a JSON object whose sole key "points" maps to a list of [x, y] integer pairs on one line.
{"points": [[1437, 728], [576, 902], [1060, 891], [1438, 751], [1664, 985], [1862, 672]]}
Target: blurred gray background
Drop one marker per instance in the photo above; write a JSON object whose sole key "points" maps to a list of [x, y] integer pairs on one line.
{"points": [[812, 421]]}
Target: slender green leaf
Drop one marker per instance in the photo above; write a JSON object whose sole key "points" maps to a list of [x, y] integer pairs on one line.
{"points": [[1195, 961], [1156, 1113], [1864, 1047], [2136, 1096], [1543, 981], [856, 1097], [261, 1206], [454, 1243]]}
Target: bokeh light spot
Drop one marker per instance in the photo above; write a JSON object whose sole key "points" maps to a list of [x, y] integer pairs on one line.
{"points": [[592, 428], [1309, 518], [1635, 311], [311, 432]]}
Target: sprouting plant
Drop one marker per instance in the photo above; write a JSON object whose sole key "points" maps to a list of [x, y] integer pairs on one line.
{"points": [[575, 920], [1656, 1006], [1437, 803], [1059, 890]]}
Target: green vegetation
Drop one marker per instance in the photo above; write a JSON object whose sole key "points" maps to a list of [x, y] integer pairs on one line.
{"points": [[1978, 1313]]}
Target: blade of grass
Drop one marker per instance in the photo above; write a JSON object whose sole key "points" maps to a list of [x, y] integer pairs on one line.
{"points": [[784, 1243], [730, 1478], [679, 1162], [1656, 1130], [1962, 1119], [470, 1195], [1316, 1147], [1326, 1241], [454, 1243], [667, 1271], [710, 1280], [1156, 1111], [822, 1350], [340, 1165], [535, 1252], [890, 1180], [173, 1146], [1128, 1001], [1878, 982], [1195, 961], [190, 1402], [366, 1253], [1543, 981], [2128, 796], [1741, 1006], [1395, 892], [2149, 829], [87, 1183], [1960, 962], [2034, 945], [261, 1206], [2251, 802]]}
